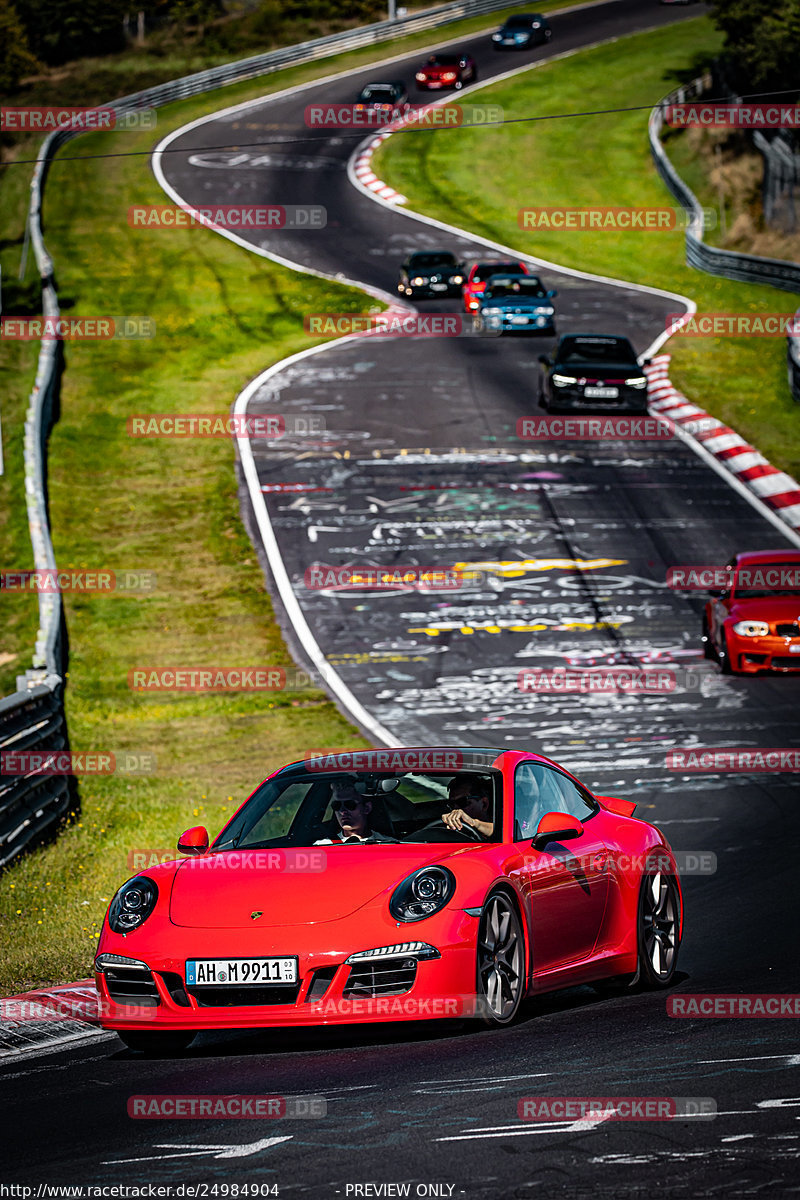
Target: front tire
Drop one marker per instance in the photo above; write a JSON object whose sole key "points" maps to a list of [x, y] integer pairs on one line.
{"points": [[724, 657], [708, 645], [658, 930], [154, 1045], [500, 961]]}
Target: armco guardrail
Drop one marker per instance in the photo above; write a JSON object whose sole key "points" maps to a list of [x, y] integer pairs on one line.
{"points": [[29, 804], [747, 268], [34, 716], [793, 359]]}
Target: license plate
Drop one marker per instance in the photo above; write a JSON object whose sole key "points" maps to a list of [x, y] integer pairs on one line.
{"points": [[521, 320], [601, 393], [438, 287], [213, 972], [794, 649]]}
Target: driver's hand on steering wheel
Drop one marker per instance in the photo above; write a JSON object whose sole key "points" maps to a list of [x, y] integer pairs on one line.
{"points": [[456, 817]]}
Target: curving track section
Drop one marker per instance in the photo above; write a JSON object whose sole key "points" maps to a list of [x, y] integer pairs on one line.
{"points": [[421, 464]]}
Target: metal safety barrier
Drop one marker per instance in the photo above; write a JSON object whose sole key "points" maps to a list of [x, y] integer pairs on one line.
{"points": [[745, 268], [33, 717]]}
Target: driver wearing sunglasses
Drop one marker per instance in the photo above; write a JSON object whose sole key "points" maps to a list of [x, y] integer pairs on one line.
{"points": [[470, 804], [352, 811]]}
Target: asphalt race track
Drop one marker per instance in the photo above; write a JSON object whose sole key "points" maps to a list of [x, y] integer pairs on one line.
{"points": [[421, 464]]}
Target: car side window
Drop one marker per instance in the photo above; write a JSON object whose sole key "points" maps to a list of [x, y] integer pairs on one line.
{"points": [[538, 790], [572, 799]]}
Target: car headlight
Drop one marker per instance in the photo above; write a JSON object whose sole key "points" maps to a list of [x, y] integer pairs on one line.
{"points": [[536, 25], [132, 904], [492, 312], [546, 312], [422, 894], [751, 628], [497, 37], [417, 281], [638, 381], [420, 76], [564, 380], [456, 278]]}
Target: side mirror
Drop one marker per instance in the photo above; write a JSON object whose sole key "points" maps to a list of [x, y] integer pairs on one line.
{"points": [[647, 362], [194, 841], [552, 293], [614, 804], [544, 360], [556, 827]]}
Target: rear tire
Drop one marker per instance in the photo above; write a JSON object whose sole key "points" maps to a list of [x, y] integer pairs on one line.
{"points": [[154, 1045], [658, 924], [708, 645]]}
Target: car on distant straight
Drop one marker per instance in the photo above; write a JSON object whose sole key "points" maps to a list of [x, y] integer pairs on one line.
{"points": [[515, 304], [431, 273], [479, 272], [288, 920], [753, 624], [522, 31], [447, 69], [387, 97], [593, 372]]}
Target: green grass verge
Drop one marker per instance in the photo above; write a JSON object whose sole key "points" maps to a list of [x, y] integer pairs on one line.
{"points": [[605, 160]]}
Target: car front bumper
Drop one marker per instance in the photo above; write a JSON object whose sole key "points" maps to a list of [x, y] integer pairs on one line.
{"points": [[749, 655], [571, 399], [437, 988]]}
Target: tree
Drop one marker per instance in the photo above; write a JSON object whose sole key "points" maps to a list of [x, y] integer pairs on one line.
{"points": [[16, 60], [762, 38]]}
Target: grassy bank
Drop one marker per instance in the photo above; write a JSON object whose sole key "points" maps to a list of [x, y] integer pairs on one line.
{"points": [[605, 160]]}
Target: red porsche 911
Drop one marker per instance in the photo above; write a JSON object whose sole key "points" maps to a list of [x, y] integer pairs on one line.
{"points": [[391, 885], [753, 624], [479, 272]]}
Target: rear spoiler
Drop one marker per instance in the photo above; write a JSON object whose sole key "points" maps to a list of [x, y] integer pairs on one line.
{"points": [[623, 808]]}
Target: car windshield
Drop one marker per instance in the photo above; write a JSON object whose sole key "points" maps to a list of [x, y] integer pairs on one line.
{"points": [[524, 287], [596, 349], [444, 60], [305, 807], [484, 271], [758, 579], [381, 92], [518, 22], [432, 259]]}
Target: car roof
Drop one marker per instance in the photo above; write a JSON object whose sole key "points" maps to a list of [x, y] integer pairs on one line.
{"points": [[380, 759], [753, 556]]}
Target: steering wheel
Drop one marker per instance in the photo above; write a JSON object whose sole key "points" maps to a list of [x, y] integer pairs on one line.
{"points": [[471, 831]]}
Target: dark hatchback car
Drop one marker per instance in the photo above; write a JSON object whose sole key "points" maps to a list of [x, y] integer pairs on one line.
{"points": [[593, 371], [522, 31], [431, 273], [387, 97], [447, 69]]}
